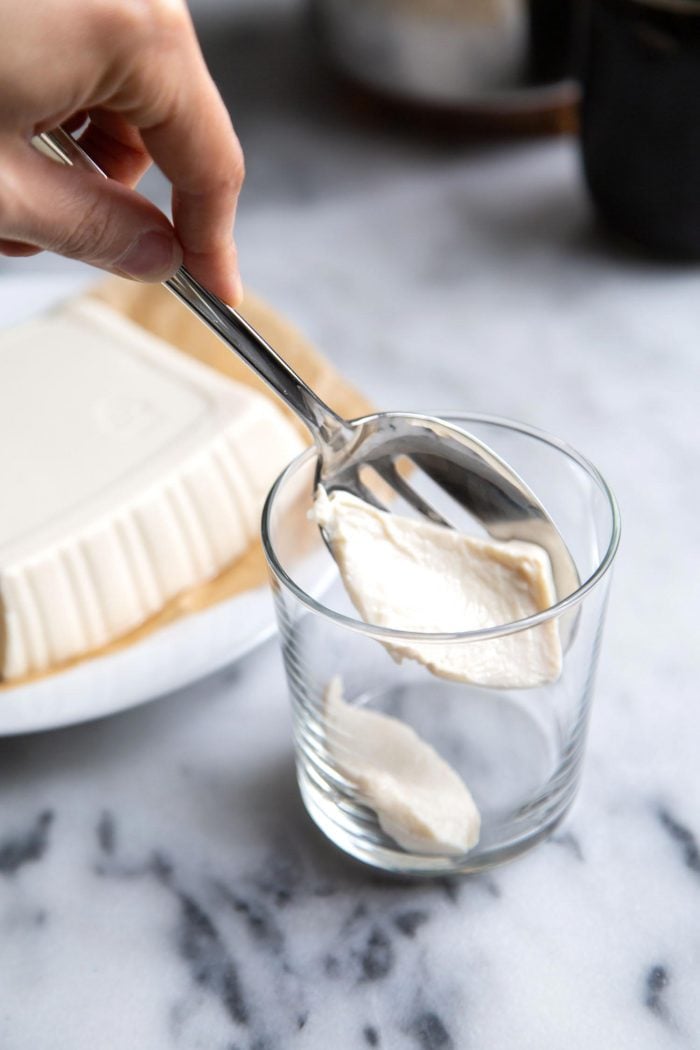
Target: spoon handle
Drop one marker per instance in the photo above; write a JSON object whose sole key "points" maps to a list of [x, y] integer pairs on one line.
{"points": [[325, 425], [257, 353]]}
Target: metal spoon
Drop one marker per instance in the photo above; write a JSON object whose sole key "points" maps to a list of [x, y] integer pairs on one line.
{"points": [[465, 469]]}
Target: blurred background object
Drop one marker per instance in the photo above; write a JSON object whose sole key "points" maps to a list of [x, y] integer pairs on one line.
{"points": [[641, 121], [504, 64]]}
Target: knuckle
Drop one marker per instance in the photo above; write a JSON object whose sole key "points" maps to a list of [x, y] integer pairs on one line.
{"points": [[229, 173], [237, 167], [169, 17], [227, 183], [160, 22], [233, 161], [221, 178], [136, 24]]}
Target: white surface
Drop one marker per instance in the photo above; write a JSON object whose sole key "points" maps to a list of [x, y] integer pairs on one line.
{"points": [[161, 886]]}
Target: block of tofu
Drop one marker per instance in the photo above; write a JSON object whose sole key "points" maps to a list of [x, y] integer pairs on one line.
{"points": [[128, 474]]}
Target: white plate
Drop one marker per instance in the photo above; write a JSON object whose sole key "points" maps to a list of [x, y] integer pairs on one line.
{"points": [[167, 659]]}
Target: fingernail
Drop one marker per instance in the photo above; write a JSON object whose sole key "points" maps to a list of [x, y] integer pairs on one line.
{"points": [[153, 256]]}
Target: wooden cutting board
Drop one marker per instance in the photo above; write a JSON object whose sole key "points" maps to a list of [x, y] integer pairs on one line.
{"points": [[155, 309]]}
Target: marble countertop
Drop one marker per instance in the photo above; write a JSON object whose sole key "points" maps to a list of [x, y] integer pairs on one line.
{"points": [[160, 884]]}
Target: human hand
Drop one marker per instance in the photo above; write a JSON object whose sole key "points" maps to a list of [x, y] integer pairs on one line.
{"points": [[133, 67]]}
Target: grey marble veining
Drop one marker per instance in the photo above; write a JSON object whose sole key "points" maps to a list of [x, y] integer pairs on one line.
{"points": [[160, 884]]}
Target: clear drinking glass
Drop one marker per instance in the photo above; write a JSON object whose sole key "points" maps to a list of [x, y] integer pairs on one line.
{"points": [[519, 751]]}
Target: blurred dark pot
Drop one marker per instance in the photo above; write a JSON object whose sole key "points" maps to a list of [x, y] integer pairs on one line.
{"points": [[641, 120]]}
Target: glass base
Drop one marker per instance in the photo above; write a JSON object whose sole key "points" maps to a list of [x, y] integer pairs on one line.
{"points": [[522, 780]]}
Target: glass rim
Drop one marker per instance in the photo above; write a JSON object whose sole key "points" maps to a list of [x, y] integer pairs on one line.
{"points": [[391, 634]]}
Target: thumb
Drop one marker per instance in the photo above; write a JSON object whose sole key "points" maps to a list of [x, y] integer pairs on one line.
{"points": [[83, 216]]}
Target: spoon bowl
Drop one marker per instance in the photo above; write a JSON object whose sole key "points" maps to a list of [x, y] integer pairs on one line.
{"points": [[383, 458]]}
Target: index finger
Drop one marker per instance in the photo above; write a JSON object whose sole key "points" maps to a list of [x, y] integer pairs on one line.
{"points": [[187, 130]]}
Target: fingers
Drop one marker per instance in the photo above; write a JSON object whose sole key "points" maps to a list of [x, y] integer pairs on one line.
{"points": [[115, 146], [187, 130], [137, 69], [204, 162], [83, 216]]}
